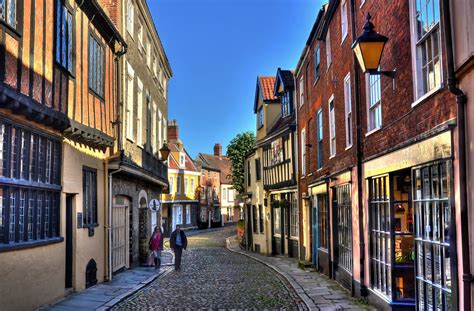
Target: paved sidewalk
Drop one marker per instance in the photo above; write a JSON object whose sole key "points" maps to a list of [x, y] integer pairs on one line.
{"points": [[105, 295], [317, 291]]}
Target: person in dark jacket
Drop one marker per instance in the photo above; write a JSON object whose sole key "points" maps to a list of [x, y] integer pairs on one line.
{"points": [[178, 242]]}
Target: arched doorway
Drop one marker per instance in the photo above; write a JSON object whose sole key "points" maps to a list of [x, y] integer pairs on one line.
{"points": [[143, 230]]}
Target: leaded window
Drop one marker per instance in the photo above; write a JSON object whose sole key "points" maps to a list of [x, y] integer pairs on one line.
{"points": [[89, 197], [428, 47], [344, 226], [260, 117], [64, 37], [380, 238], [286, 109], [8, 12], [96, 65], [433, 236], [23, 217]]}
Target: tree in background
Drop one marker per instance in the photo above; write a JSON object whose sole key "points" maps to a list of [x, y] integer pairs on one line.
{"points": [[236, 151]]}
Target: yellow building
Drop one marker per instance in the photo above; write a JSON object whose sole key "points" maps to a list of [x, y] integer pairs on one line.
{"points": [[180, 205]]}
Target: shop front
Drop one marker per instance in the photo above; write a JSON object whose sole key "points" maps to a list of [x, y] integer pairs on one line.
{"points": [[285, 223]]}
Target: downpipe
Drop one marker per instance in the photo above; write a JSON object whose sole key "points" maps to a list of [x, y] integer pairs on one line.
{"points": [[461, 101]]}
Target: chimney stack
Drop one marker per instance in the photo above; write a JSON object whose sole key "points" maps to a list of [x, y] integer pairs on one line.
{"points": [[218, 150], [172, 130]]}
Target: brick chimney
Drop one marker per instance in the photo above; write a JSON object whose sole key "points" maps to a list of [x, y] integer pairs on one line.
{"points": [[172, 130], [218, 150]]}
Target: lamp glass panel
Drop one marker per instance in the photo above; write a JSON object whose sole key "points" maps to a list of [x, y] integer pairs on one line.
{"points": [[359, 56], [371, 53]]}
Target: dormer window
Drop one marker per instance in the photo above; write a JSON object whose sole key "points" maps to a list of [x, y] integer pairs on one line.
{"points": [[182, 160], [285, 105]]}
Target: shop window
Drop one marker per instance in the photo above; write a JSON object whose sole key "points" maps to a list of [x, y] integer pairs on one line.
{"points": [[188, 214], [277, 220], [344, 226], [432, 236]]}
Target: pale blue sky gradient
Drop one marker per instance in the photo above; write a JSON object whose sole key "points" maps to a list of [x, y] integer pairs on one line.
{"points": [[216, 49]]}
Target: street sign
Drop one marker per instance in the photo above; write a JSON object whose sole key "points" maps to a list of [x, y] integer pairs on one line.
{"points": [[154, 205]]}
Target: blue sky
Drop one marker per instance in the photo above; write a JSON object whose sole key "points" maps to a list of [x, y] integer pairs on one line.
{"points": [[216, 49]]}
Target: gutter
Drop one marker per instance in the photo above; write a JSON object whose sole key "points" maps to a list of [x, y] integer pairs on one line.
{"points": [[359, 155], [461, 101]]}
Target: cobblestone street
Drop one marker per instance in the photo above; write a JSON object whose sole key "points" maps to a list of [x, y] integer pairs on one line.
{"points": [[213, 277]]}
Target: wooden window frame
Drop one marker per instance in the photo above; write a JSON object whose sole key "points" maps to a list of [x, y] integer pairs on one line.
{"points": [[95, 86], [89, 197]]}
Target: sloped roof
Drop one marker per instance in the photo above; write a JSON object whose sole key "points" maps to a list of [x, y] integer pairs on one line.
{"points": [[264, 89], [221, 164], [174, 163], [286, 78]]}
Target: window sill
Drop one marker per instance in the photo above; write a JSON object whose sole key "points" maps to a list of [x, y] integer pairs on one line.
{"points": [[131, 140], [362, 4], [333, 156], [87, 226], [348, 147], [32, 244], [372, 131], [427, 96], [316, 81], [10, 30], [303, 176]]}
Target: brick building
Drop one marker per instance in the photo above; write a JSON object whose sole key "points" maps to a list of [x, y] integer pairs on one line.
{"points": [[379, 160], [137, 175]]}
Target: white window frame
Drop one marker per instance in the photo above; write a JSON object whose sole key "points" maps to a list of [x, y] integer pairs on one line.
{"points": [[344, 21], [317, 63], [259, 117], [148, 52], [178, 185], [303, 152], [188, 214], [130, 104], [154, 134], [185, 185], [230, 195], [376, 106], [332, 127], [141, 31], [160, 130], [130, 17], [348, 110], [192, 186], [328, 50], [301, 89], [182, 160], [139, 112], [224, 194], [418, 88]]}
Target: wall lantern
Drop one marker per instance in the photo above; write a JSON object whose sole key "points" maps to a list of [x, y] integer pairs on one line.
{"points": [[165, 152], [368, 48]]}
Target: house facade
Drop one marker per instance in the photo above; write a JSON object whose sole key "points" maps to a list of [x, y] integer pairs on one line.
{"points": [[137, 175], [273, 214], [180, 204], [57, 85], [208, 192], [228, 197], [257, 221]]}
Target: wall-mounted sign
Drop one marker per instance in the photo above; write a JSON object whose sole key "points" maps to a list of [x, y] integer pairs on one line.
{"points": [[154, 205], [79, 220]]}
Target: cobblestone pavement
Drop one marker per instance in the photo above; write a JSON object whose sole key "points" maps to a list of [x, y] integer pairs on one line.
{"points": [[214, 278]]}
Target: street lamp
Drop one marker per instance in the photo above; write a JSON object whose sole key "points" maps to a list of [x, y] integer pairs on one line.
{"points": [[368, 48], [165, 152]]}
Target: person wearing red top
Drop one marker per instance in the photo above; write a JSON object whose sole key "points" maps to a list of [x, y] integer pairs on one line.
{"points": [[156, 245]]}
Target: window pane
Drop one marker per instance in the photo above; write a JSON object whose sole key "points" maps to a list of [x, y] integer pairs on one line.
{"points": [[39, 215], [12, 214], [69, 40], [2, 216], [3, 149], [21, 216], [31, 214]]}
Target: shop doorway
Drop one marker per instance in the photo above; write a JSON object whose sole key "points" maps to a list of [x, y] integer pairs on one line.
{"points": [[69, 240], [119, 233]]}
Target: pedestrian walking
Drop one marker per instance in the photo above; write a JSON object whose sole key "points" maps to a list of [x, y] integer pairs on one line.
{"points": [[178, 242], [156, 246]]}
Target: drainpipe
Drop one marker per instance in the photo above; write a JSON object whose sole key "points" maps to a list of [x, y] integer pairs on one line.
{"points": [[461, 101], [359, 155]]}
